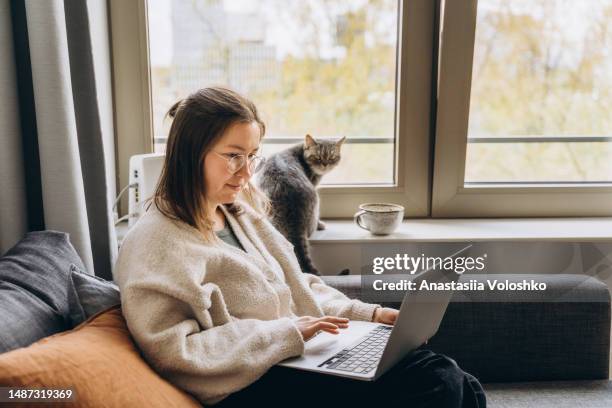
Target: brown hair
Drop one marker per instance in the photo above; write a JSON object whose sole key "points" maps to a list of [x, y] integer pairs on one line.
{"points": [[199, 121]]}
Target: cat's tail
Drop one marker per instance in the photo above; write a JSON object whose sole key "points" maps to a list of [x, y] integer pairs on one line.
{"points": [[302, 252]]}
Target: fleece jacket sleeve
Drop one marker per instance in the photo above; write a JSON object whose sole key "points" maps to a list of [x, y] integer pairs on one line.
{"points": [[335, 303], [198, 346]]}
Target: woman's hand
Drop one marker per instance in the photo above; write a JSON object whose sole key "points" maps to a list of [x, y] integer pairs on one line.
{"points": [[309, 326], [385, 315]]}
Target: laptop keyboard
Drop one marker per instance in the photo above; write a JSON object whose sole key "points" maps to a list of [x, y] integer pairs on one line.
{"points": [[363, 357]]}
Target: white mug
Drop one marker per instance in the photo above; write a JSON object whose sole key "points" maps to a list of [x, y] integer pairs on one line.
{"points": [[379, 218]]}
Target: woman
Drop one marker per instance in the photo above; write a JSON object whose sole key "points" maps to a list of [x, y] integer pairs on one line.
{"points": [[213, 294]]}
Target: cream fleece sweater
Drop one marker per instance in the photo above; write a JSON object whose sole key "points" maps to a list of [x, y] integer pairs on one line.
{"points": [[210, 318]]}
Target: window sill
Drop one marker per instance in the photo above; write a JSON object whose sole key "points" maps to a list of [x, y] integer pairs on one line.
{"points": [[473, 230]]}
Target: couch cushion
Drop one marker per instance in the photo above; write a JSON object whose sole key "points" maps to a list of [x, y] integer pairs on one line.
{"points": [[99, 361], [93, 295], [35, 289]]}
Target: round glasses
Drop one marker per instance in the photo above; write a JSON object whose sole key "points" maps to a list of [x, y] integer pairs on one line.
{"points": [[235, 162]]}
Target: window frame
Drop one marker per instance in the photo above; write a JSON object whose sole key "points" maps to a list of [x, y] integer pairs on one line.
{"points": [[131, 86], [450, 196], [416, 34]]}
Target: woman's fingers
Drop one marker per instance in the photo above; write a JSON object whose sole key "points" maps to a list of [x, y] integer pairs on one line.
{"points": [[309, 332], [338, 321], [334, 319], [309, 325], [326, 326]]}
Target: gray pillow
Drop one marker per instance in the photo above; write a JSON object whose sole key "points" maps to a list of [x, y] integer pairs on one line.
{"points": [[35, 288], [93, 294]]}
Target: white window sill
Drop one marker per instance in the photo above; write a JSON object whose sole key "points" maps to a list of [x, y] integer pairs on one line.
{"points": [[473, 230]]}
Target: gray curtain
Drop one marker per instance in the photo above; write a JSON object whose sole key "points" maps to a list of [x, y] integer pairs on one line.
{"points": [[57, 149]]}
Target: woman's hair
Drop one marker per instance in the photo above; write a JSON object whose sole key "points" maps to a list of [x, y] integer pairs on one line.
{"points": [[199, 121]]}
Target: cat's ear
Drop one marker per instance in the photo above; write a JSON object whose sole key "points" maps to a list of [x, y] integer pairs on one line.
{"points": [[339, 142], [309, 141]]}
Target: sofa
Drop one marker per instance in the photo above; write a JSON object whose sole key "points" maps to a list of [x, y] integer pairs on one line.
{"points": [[63, 326]]}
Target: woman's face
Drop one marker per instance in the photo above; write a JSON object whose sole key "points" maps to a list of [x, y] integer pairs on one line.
{"points": [[222, 186]]}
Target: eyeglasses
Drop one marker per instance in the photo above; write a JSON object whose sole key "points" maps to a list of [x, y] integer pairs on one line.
{"points": [[235, 162]]}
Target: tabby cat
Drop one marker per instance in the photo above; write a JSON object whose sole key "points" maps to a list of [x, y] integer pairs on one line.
{"points": [[289, 179]]}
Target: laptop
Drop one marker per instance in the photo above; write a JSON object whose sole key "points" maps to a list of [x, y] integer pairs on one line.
{"points": [[366, 350]]}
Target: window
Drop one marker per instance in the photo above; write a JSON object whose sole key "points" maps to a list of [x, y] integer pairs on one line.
{"points": [[330, 68], [327, 68], [540, 97], [517, 123], [523, 122]]}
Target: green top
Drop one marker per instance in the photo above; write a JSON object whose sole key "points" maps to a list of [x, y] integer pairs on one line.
{"points": [[227, 235]]}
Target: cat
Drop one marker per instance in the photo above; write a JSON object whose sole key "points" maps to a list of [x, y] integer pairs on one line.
{"points": [[289, 178]]}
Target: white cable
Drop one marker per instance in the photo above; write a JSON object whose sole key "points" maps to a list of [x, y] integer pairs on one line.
{"points": [[114, 209], [121, 219], [121, 194]]}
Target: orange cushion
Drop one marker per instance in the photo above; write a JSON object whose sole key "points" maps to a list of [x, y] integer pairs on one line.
{"points": [[99, 361]]}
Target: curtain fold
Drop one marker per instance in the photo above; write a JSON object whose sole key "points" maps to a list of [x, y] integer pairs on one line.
{"points": [[89, 134], [13, 212], [75, 193], [60, 162]]}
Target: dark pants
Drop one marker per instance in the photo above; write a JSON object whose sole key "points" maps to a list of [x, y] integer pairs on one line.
{"points": [[422, 379]]}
